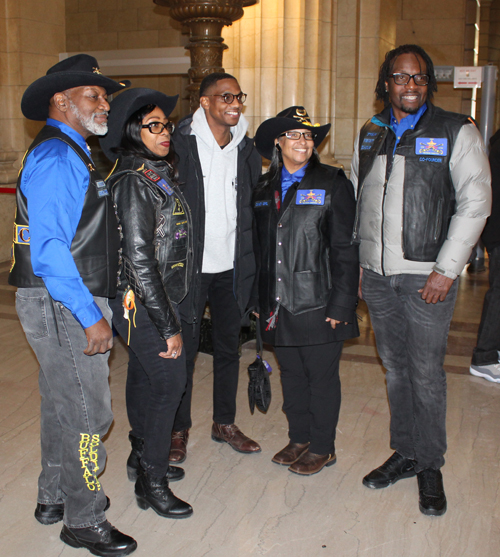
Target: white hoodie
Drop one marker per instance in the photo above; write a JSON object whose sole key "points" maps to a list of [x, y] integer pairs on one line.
{"points": [[219, 168]]}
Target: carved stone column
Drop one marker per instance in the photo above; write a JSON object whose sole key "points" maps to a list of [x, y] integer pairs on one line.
{"points": [[205, 19]]}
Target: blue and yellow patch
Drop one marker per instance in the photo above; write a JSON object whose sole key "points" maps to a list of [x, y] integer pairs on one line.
{"points": [[312, 197], [431, 146]]}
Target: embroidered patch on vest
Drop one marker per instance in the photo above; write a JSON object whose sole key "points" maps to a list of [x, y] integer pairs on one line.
{"points": [[178, 210], [430, 159], [431, 146], [102, 191], [313, 197], [261, 204], [22, 234]]}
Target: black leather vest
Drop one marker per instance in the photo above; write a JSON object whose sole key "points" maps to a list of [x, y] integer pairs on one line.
{"points": [[429, 196], [95, 247]]}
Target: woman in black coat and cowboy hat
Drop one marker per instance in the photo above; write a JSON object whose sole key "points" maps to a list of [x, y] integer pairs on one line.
{"points": [[156, 229], [306, 283]]}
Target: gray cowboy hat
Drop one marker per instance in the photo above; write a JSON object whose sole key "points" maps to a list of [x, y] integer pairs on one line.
{"points": [[122, 109], [75, 71], [292, 118]]}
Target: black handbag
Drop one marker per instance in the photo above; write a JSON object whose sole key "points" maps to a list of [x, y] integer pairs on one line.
{"points": [[259, 385]]}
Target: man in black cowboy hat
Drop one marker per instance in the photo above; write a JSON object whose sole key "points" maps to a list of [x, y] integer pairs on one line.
{"points": [[65, 263]]}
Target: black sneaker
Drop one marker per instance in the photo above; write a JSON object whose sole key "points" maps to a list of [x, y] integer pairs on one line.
{"points": [[395, 468], [432, 499], [102, 539]]}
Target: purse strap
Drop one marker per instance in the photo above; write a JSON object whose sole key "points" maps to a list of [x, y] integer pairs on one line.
{"points": [[260, 348]]}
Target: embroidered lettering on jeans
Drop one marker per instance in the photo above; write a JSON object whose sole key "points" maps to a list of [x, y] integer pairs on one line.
{"points": [[89, 459]]}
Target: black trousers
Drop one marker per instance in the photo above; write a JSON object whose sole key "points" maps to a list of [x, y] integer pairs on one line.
{"points": [[154, 386], [226, 324], [311, 393]]}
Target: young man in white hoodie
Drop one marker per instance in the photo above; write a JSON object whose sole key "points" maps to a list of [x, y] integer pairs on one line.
{"points": [[219, 168]]}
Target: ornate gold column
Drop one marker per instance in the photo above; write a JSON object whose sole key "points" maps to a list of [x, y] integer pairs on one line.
{"points": [[205, 19]]}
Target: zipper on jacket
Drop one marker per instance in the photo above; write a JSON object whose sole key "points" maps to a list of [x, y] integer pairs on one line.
{"points": [[382, 228]]}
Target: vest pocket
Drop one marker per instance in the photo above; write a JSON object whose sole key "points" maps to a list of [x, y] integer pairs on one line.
{"points": [[439, 220], [307, 291]]}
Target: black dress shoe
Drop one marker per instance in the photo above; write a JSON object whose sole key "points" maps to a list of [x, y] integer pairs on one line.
{"points": [[432, 499], [52, 513], [102, 539], [154, 492], [395, 468]]}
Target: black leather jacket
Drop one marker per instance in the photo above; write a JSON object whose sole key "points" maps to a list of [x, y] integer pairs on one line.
{"points": [[305, 259], [157, 239]]}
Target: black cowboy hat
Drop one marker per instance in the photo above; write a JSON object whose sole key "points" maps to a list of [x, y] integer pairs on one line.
{"points": [[76, 71], [122, 109], [293, 118]]}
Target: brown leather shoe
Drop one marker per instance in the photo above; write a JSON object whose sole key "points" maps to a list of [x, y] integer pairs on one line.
{"points": [[312, 463], [290, 453], [178, 446], [231, 434]]}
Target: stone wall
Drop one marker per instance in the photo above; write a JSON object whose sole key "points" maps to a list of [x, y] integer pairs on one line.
{"points": [[33, 33]]}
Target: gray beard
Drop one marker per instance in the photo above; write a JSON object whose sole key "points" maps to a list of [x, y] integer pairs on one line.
{"points": [[89, 123]]}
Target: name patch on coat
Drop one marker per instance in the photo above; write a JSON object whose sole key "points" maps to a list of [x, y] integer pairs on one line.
{"points": [[312, 197], [261, 204], [431, 146]]}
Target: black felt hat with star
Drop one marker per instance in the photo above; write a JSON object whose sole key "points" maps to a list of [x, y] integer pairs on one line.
{"points": [[292, 118], [80, 70]]}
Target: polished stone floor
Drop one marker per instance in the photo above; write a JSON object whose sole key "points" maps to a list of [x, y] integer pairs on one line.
{"points": [[248, 506]]}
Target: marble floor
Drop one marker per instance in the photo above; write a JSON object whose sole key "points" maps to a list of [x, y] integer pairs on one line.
{"points": [[248, 506]]}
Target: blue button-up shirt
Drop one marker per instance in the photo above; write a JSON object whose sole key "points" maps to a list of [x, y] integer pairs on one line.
{"points": [[55, 181], [407, 123], [288, 179]]}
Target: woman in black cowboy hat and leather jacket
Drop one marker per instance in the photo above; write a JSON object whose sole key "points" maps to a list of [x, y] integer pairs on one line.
{"points": [[156, 265], [306, 283]]}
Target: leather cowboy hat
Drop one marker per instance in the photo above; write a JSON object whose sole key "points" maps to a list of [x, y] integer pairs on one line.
{"points": [[75, 71], [292, 118], [122, 109]]}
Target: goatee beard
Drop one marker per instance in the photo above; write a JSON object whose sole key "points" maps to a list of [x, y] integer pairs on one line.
{"points": [[89, 123]]}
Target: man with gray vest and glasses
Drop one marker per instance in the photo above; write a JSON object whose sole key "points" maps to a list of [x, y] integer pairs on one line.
{"points": [[423, 188]]}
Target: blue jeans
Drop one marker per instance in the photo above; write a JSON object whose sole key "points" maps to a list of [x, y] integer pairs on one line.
{"points": [[487, 349], [411, 340], [154, 385], [75, 407]]}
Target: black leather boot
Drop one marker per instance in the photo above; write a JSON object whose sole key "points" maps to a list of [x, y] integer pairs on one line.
{"points": [[151, 491], [134, 468], [134, 459]]}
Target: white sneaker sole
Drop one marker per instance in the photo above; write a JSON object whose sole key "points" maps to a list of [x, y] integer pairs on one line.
{"points": [[484, 375]]}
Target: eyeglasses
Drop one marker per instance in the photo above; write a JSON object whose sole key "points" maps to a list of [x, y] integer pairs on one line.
{"points": [[404, 78], [228, 98], [158, 127], [308, 136]]}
